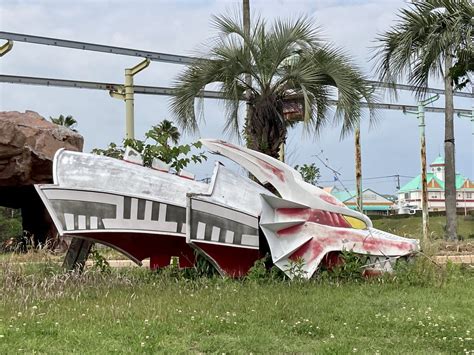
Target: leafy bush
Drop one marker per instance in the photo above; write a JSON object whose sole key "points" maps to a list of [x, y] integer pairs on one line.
{"points": [[296, 269], [258, 271], [350, 268], [100, 263], [10, 224], [158, 144]]}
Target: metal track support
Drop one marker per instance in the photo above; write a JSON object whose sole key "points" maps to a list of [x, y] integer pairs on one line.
{"points": [[420, 113]]}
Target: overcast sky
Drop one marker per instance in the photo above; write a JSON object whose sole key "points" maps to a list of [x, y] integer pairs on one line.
{"points": [[181, 27]]}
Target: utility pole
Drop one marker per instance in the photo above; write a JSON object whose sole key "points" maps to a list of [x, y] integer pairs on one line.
{"points": [[126, 93], [358, 167], [420, 113]]}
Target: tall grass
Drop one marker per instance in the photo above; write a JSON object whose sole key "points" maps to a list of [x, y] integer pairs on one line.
{"points": [[418, 309]]}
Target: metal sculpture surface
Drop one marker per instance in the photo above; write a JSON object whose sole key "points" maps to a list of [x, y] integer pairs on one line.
{"points": [[233, 221]]}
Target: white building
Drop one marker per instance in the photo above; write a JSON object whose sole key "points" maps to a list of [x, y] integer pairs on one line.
{"points": [[409, 196]]}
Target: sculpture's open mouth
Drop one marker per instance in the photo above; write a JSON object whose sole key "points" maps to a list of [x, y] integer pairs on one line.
{"points": [[147, 213]]}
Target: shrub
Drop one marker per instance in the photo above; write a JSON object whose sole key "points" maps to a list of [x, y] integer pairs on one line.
{"points": [[157, 144], [349, 269], [296, 269], [100, 262]]}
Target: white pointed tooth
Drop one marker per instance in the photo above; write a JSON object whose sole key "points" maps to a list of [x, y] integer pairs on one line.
{"points": [[278, 226]]}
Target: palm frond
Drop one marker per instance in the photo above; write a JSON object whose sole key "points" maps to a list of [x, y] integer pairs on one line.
{"points": [[424, 34], [285, 59]]}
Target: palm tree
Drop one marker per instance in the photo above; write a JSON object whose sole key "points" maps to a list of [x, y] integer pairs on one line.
{"points": [[168, 129], [427, 38], [68, 122], [285, 61]]}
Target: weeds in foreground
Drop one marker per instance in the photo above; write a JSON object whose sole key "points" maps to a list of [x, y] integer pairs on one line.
{"points": [[100, 263]]}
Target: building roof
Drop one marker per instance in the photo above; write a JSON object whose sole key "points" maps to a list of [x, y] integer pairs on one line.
{"points": [[415, 183], [343, 195], [348, 198], [438, 161], [372, 207], [328, 189]]}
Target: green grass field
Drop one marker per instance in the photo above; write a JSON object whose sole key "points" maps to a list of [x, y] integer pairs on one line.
{"points": [[43, 310], [411, 226], [424, 309]]}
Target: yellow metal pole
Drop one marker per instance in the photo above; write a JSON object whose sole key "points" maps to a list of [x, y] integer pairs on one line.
{"points": [[5, 48], [129, 99]]}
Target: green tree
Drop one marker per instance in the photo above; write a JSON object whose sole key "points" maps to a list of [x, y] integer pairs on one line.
{"points": [[68, 122], [286, 60], [309, 172], [431, 38]]}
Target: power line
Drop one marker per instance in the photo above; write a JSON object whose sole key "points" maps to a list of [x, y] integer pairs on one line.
{"points": [[166, 57], [375, 178], [166, 91], [336, 174]]}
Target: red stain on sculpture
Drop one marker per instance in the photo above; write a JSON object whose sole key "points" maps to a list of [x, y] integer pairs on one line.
{"points": [[232, 221], [331, 200], [316, 216]]}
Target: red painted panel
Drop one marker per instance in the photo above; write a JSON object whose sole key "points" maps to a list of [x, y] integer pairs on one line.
{"points": [[235, 262], [331, 200], [313, 247], [159, 248]]}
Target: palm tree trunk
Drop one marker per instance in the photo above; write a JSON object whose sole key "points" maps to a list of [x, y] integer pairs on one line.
{"points": [[265, 130], [449, 156], [248, 78]]}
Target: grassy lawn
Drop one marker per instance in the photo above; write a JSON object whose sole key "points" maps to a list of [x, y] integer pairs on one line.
{"points": [[411, 226], [43, 310]]}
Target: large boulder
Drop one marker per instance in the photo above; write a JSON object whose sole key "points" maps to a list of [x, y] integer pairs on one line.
{"points": [[27, 146], [28, 143]]}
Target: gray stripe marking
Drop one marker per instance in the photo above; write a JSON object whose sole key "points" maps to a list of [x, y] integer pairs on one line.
{"points": [[250, 240], [224, 213], [141, 209], [155, 211], [126, 207]]}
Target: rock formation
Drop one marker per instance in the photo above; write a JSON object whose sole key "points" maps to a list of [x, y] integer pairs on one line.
{"points": [[28, 143]]}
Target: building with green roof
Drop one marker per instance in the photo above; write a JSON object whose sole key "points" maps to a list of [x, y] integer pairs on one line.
{"points": [[372, 202], [409, 195]]}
